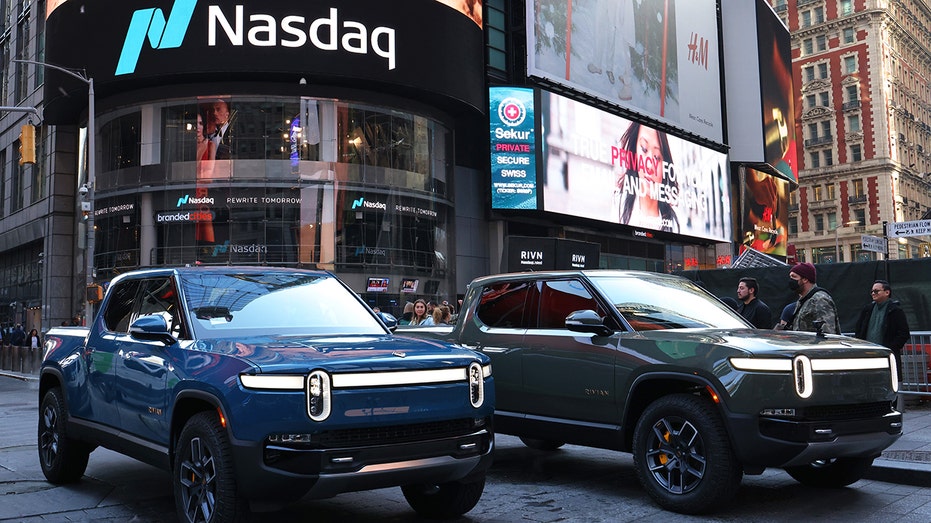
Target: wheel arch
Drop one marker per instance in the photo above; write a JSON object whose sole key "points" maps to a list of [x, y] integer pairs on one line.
{"points": [[187, 404], [649, 387]]}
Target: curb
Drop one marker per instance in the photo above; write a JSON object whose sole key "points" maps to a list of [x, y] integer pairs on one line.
{"points": [[900, 472], [18, 376]]}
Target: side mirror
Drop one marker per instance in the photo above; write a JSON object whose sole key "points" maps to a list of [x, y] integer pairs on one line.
{"points": [[152, 328], [587, 321], [388, 319]]}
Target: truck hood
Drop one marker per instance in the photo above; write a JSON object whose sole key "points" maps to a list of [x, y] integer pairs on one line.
{"points": [[284, 354], [767, 343]]}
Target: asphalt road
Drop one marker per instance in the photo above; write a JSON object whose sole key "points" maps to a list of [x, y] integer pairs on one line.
{"points": [[573, 484]]}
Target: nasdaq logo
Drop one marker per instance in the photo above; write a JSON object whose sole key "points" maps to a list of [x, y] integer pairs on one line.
{"points": [[358, 203], [186, 199], [221, 249], [162, 33]]}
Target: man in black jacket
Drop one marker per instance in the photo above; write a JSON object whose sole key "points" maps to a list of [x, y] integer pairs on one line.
{"points": [[883, 322], [752, 308]]}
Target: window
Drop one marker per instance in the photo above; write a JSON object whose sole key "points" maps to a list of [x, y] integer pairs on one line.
{"points": [[810, 101], [40, 42], [793, 225], [818, 193], [559, 299], [814, 160], [120, 141], [832, 220], [812, 131], [855, 153], [848, 35], [160, 298], [823, 70], [818, 15], [853, 123], [809, 72], [496, 37], [821, 42], [807, 46], [828, 157], [830, 188], [119, 309], [806, 19], [826, 129], [853, 93], [850, 64], [846, 7], [860, 214], [824, 99], [819, 222], [858, 188], [502, 305], [22, 52]]}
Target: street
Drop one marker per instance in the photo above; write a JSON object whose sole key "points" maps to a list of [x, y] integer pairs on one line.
{"points": [[572, 484]]}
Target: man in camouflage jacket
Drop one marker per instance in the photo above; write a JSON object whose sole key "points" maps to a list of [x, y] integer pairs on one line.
{"points": [[814, 303]]}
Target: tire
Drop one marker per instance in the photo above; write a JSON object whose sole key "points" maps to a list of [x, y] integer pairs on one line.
{"points": [[682, 455], [203, 479], [831, 473], [63, 460], [541, 444], [444, 501]]}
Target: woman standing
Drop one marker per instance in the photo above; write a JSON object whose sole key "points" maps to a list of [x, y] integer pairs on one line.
{"points": [[33, 340], [420, 316]]}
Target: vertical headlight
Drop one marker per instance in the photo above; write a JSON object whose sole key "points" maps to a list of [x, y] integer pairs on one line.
{"points": [[476, 385], [801, 371], [318, 395], [894, 372]]}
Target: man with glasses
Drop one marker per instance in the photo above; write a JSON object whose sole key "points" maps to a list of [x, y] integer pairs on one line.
{"points": [[883, 321]]}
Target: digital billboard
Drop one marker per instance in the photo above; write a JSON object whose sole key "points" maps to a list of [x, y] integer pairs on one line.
{"points": [[513, 148], [760, 91], [765, 212], [365, 43], [604, 167], [659, 58]]}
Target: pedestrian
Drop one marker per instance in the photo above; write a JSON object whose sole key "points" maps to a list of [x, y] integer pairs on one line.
{"points": [[33, 341], [441, 315], [883, 321], [785, 319], [18, 336], [420, 316], [814, 303], [752, 308], [407, 314]]}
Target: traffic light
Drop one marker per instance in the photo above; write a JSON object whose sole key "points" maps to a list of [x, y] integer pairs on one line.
{"points": [[94, 293], [27, 144]]}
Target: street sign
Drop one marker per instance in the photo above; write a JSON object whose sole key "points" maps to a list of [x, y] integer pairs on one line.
{"points": [[873, 243], [908, 229]]}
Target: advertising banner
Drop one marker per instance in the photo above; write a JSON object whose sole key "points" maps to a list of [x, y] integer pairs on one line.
{"points": [[765, 212], [659, 58], [600, 166], [513, 148]]}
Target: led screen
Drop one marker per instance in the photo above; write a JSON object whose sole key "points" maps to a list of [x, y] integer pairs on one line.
{"points": [[513, 148], [765, 212], [659, 58], [600, 166]]}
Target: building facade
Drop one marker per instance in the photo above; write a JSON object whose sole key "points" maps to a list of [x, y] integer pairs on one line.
{"points": [[354, 137], [862, 70]]}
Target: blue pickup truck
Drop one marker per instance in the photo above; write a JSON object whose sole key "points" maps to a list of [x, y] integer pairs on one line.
{"points": [[255, 387]]}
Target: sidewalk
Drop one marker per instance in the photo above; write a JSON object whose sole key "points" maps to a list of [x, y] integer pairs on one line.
{"points": [[906, 462]]}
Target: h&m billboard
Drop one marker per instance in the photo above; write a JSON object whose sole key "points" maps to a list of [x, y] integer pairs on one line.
{"points": [[365, 43], [659, 58]]}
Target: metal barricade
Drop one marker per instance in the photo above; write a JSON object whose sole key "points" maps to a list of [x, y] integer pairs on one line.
{"points": [[916, 365]]}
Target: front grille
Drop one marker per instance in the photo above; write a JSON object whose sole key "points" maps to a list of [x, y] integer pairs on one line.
{"points": [[846, 412], [394, 433]]}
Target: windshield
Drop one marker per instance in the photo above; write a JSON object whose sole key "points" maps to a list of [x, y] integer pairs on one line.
{"points": [[653, 303], [275, 303]]}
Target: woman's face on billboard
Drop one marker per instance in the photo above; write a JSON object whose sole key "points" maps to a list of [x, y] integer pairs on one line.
{"points": [[649, 155]]}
